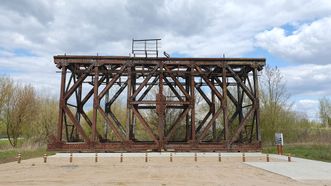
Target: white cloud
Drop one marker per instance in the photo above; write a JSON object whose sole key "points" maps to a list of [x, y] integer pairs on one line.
{"points": [[307, 83], [37, 71], [193, 28], [308, 80], [310, 43], [308, 107]]}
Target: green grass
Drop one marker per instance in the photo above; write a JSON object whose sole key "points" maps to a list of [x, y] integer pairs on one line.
{"points": [[9, 154], [320, 152], [4, 144]]}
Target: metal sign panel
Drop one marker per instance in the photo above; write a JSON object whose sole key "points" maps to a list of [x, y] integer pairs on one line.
{"points": [[279, 140]]}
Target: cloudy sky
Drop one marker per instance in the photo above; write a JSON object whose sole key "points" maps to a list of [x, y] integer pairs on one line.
{"points": [[293, 35]]}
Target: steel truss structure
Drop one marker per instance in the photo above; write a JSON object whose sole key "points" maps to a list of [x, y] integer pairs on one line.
{"points": [[177, 104]]}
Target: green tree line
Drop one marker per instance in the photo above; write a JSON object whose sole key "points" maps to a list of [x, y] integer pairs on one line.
{"points": [[24, 113], [277, 114]]}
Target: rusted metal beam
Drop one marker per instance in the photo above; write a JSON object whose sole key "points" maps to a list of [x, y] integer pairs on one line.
{"points": [[62, 102], [146, 126], [204, 132], [243, 86], [96, 103], [203, 121], [149, 88], [226, 81], [241, 126], [173, 89], [225, 105], [175, 61], [210, 84], [175, 124], [141, 86], [89, 122], [257, 105], [177, 83], [118, 134], [78, 82], [77, 125], [112, 81]]}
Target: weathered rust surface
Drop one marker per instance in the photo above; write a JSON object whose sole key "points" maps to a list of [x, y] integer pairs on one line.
{"points": [[200, 104]]}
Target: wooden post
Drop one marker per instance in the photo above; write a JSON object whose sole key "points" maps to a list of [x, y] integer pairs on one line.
{"points": [[70, 158], [96, 157], [219, 157], [19, 158], [244, 158], [121, 159], [195, 157], [268, 158], [45, 158]]}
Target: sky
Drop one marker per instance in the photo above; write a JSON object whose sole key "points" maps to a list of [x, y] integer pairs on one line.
{"points": [[292, 35]]}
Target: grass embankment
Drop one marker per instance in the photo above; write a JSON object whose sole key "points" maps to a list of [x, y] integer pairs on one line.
{"points": [[320, 152], [8, 154]]}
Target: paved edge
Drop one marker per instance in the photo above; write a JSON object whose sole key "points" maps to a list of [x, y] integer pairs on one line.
{"points": [[298, 169]]}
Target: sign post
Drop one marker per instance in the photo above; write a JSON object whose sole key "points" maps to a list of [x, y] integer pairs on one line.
{"points": [[279, 140]]}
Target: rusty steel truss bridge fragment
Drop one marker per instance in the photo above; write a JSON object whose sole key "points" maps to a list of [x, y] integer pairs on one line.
{"points": [[168, 104]]}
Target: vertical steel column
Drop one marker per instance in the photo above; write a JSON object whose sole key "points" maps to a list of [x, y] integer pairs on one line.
{"points": [[105, 125], [225, 104], [133, 89], [95, 102], [212, 110], [129, 99], [161, 111], [62, 102], [257, 104], [239, 106], [187, 117], [192, 104], [78, 94]]}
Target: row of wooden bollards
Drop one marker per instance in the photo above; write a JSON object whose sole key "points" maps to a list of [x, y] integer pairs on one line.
{"points": [[267, 157], [19, 157]]}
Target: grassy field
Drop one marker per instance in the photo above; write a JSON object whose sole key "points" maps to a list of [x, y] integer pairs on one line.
{"points": [[8, 154], [320, 152], [4, 143]]}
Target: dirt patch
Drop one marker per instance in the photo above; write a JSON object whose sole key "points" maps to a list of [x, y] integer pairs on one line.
{"points": [[135, 171]]}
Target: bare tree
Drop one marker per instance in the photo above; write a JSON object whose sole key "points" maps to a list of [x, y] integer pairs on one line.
{"points": [[325, 111], [6, 87], [44, 122], [273, 90], [275, 110], [19, 111]]}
